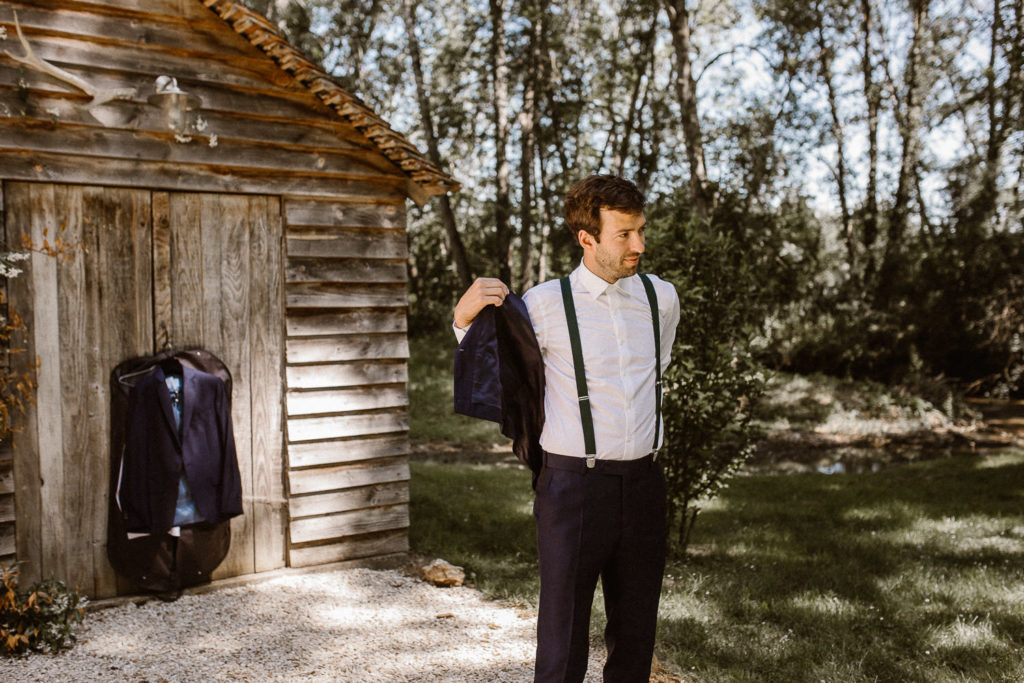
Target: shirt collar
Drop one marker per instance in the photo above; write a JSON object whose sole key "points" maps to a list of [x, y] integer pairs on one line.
{"points": [[597, 285]]}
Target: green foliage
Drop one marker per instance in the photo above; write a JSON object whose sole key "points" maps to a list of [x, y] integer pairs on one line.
{"points": [[714, 379], [41, 618]]}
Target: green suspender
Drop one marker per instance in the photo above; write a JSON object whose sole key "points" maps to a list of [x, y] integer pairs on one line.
{"points": [[586, 415], [652, 299], [581, 375]]}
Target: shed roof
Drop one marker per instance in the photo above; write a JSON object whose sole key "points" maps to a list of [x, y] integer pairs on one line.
{"points": [[263, 34]]}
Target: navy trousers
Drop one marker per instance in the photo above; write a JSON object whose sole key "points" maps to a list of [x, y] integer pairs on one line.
{"points": [[607, 522]]}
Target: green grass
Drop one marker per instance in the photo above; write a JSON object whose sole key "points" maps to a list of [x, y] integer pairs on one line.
{"points": [[910, 574], [431, 416]]}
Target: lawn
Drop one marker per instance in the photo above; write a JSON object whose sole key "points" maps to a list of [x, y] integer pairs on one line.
{"points": [[913, 573]]}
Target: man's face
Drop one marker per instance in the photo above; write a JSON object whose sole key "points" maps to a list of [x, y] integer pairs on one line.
{"points": [[617, 254]]}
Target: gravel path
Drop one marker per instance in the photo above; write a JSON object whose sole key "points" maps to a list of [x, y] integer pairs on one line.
{"points": [[350, 625]]}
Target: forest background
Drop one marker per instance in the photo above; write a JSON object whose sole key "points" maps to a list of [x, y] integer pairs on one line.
{"points": [[852, 169]]}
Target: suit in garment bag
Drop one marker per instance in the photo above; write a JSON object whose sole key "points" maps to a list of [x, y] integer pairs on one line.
{"points": [[159, 561]]}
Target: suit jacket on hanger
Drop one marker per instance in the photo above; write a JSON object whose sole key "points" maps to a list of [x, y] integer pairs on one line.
{"points": [[155, 453]]}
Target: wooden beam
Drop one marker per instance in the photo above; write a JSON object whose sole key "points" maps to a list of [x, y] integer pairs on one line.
{"points": [[323, 453], [345, 426], [337, 214], [346, 270], [351, 523], [321, 480], [378, 495], [315, 323], [346, 374], [45, 167], [346, 400], [347, 348], [369, 546]]}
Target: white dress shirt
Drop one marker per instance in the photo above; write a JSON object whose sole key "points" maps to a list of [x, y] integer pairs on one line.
{"points": [[617, 337]]}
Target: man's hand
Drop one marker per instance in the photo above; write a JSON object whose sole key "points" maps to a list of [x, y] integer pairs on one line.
{"points": [[483, 292]]}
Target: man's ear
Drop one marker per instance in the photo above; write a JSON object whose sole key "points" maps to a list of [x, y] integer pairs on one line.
{"points": [[585, 239]]}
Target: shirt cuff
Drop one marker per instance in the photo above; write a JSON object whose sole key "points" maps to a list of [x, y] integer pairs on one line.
{"points": [[460, 332]]}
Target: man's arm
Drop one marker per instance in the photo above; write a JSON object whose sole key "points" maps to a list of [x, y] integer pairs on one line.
{"points": [[484, 292]]}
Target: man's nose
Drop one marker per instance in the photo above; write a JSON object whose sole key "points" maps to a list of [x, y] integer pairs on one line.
{"points": [[638, 243]]}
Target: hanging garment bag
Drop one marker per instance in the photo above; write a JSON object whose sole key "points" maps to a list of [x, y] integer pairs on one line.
{"points": [[174, 477]]}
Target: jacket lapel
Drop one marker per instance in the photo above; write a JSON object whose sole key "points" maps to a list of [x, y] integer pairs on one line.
{"points": [[189, 394], [165, 403]]}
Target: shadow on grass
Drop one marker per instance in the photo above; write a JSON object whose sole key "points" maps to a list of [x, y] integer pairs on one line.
{"points": [[911, 574]]}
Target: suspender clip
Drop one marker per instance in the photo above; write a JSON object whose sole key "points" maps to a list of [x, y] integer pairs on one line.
{"points": [[591, 462]]}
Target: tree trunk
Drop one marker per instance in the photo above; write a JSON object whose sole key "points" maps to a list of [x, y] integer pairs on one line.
{"points": [[686, 91], [527, 121], [872, 95], [502, 200], [909, 123], [455, 245], [825, 64]]}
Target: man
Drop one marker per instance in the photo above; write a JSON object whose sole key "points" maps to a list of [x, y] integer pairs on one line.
{"points": [[600, 514]]}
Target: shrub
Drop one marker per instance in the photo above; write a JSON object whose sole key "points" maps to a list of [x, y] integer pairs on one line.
{"points": [[40, 619], [714, 380]]}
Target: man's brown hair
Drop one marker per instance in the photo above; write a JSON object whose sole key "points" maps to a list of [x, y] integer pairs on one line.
{"points": [[585, 199]]}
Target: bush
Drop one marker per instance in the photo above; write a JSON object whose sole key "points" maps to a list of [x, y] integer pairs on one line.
{"points": [[714, 380], [40, 619]]}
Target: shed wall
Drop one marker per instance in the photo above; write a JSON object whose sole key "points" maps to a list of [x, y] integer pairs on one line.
{"points": [[329, 250]]}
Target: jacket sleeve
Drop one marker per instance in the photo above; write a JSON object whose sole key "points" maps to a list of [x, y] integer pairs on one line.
{"points": [[230, 489]]}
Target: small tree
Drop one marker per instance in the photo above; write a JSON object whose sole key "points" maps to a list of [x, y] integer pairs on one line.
{"points": [[714, 380]]}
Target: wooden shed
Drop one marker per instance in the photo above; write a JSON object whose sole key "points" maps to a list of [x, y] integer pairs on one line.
{"points": [[265, 224]]}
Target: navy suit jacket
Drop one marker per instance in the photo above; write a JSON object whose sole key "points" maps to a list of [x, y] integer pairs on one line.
{"points": [[499, 376], [155, 453]]}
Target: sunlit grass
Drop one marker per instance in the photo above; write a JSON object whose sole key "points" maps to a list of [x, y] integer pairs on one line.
{"points": [[911, 574]]}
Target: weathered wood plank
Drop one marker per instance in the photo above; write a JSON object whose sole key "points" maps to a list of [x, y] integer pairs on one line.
{"points": [[8, 550], [226, 329], [351, 499], [6, 478], [333, 295], [186, 9], [42, 166], [18, 134], [162, 281], [348, 243], [373, 545], [45, 221], [7, 508], [81, 399], [346, 374], [247, 110], [346, 348], [313, 529], [303, 324], [231, 115], [346, 400], [28, 534], [152, 31], [187, 271], [123, 327], [345, 426], [145, 65], [338, 214], [346, 270], [266, 315], [323, 453], [323, 479]]}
